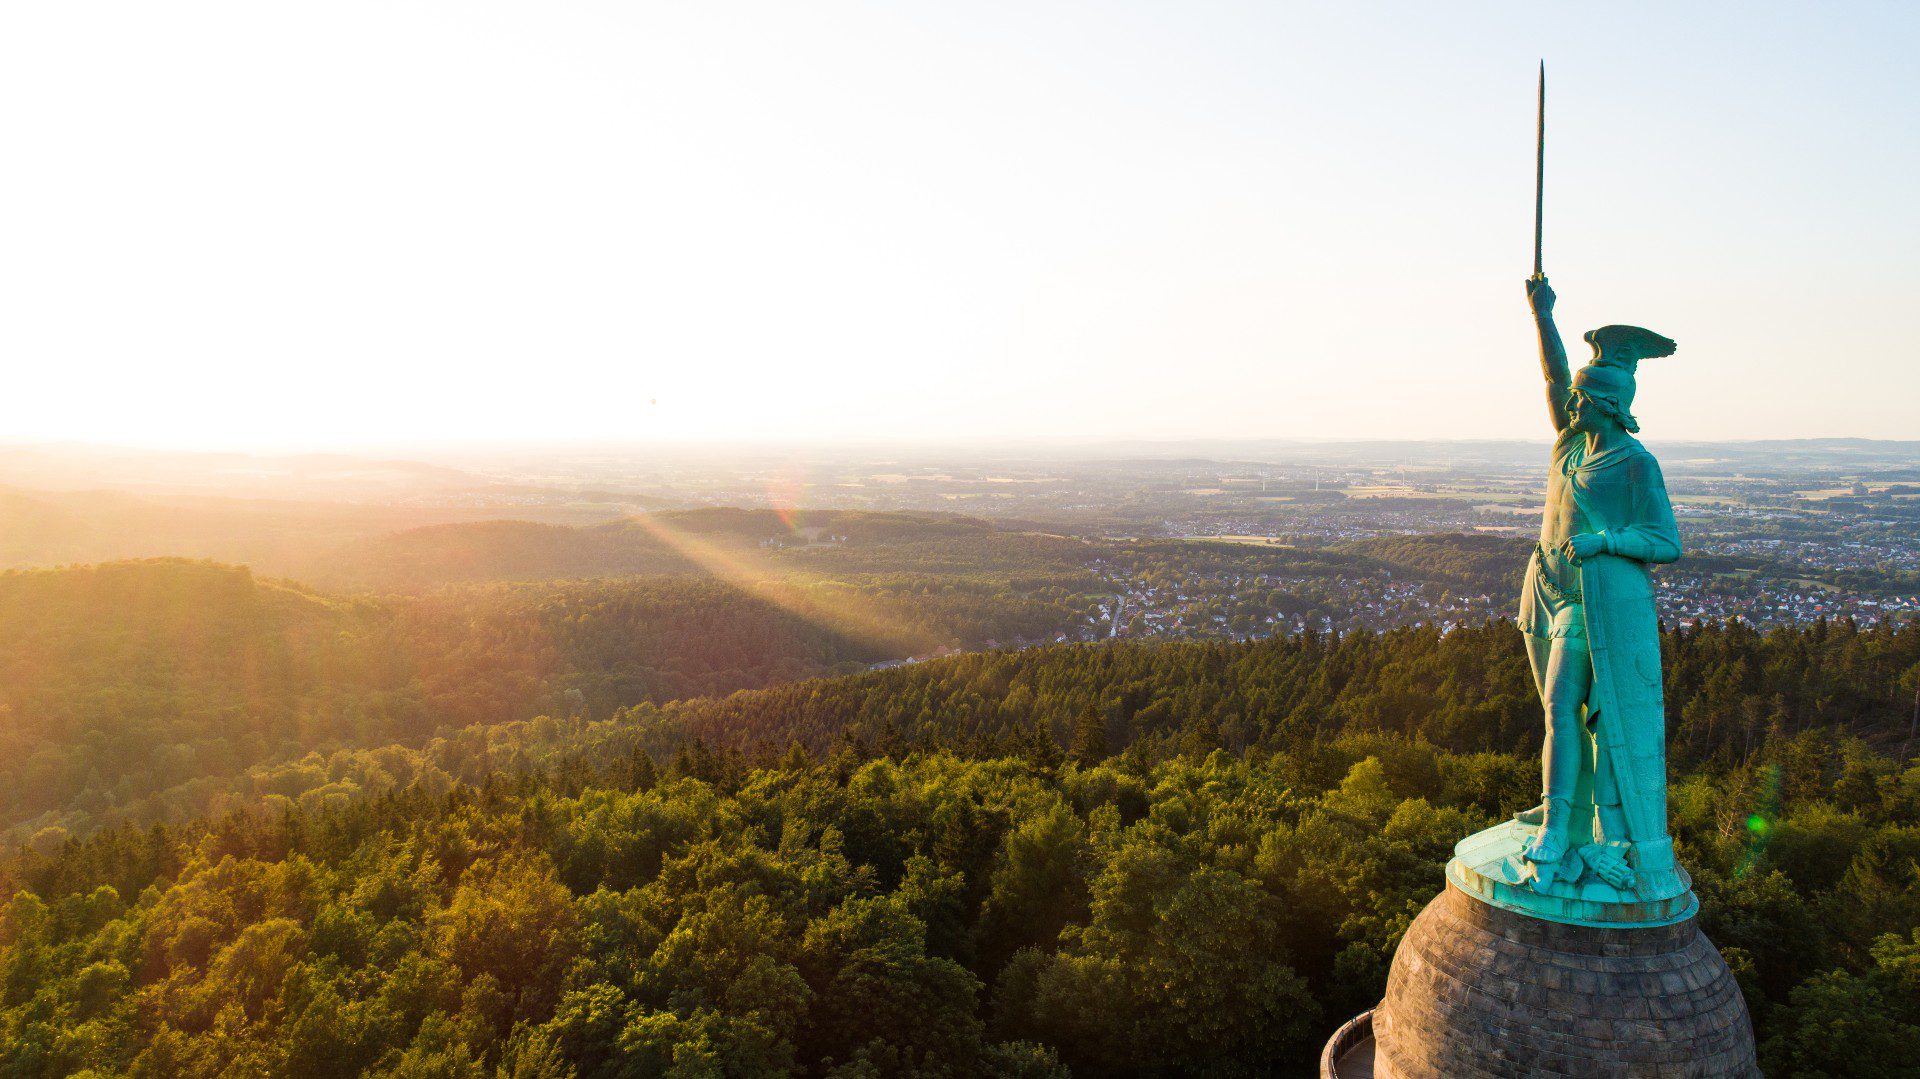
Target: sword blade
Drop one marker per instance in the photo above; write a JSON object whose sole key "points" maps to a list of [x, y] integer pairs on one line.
{"points": [[1540, 168]]}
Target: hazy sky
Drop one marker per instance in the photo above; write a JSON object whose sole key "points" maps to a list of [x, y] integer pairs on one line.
{"points": [[293, 224]]}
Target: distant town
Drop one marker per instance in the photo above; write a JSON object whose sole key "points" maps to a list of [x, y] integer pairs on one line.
{"points": [[1183, 540]]}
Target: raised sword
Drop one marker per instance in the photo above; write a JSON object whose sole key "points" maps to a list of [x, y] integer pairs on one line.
{"points": [[1539, 170]]}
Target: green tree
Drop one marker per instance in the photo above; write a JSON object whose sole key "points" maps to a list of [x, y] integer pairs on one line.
{"points": [[1089, 738]]}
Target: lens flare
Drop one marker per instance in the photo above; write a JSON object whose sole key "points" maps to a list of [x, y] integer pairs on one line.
{"points": [[818, 600], [1761, 820], [785, 491]]}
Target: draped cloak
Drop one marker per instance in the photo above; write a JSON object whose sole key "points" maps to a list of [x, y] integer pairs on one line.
{"points": [[1620, 495]]}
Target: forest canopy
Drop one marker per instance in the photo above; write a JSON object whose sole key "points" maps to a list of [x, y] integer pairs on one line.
{"points": [[673, 826], [134, 690], [1038, 913], [1116, 859]]}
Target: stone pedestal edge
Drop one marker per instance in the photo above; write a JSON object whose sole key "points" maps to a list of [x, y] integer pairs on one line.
{"points": [[1480, 992], [1481, 860]]}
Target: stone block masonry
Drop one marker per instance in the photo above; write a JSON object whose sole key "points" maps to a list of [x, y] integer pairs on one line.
{"points": [[1477, 992]]}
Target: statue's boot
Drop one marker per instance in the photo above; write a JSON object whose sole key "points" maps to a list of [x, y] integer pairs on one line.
{"points": [[1536, 815]]}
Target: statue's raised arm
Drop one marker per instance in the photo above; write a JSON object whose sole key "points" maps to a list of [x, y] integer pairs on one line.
{"points": [[1553, 354]]}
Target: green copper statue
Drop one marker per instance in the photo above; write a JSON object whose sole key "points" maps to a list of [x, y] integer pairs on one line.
{"points": [[1587, 610], [1596, 849]]}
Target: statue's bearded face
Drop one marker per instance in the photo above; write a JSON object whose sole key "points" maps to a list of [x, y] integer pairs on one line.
{"points": [[1585, 416]]}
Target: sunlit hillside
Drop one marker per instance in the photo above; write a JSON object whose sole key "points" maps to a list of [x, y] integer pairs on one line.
{"points": [[1085, 860], [144, 690], [713, 542], [275, 535]]}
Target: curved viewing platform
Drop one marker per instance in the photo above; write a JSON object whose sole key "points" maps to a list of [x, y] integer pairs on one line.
{"points": [[1349, 1053]]}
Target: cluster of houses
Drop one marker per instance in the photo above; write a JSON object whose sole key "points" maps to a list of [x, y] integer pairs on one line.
{"points": [[1765, 605], [1238, 605]]}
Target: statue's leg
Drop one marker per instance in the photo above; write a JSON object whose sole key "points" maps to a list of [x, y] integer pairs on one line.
{"points": [[1569, 677], [1539, 653], [1580, 825]]}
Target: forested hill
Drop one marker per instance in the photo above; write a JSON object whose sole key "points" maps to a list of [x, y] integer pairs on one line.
{"points": [[1476, 563], [923, 912], [702, 541], [1729, 689], [124, 681], [151, 690], [493, 551], [123, 678]]}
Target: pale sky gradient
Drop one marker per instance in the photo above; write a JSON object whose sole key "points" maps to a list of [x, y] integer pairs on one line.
{"points": [[288, 225]]}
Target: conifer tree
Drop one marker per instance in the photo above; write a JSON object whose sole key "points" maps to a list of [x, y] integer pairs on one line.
{"points": [[1089, 738], [637, 772], [796, 759], [1202, 737], [1043, 749], [892, 744]]}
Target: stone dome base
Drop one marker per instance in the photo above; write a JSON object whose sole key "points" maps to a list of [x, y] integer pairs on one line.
{"points": [[1478, 992]]}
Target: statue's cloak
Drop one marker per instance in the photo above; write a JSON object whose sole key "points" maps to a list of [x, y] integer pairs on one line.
{"points": [[1624, 498]]}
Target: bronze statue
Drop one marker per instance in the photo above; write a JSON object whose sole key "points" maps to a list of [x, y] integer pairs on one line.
{"points": [[1587, 611], [1595, 850]]}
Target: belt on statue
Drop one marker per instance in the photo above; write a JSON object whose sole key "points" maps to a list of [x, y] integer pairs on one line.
{"points": [[1563, 595]]}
